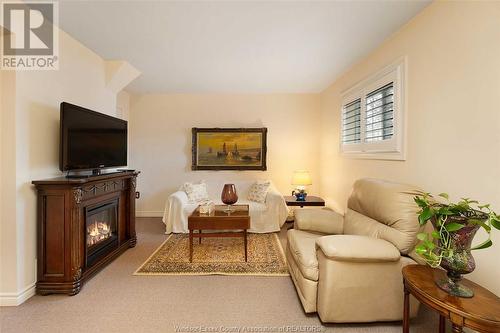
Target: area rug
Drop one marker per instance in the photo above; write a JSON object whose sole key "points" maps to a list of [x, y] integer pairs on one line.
{"points": [[217, 256]]}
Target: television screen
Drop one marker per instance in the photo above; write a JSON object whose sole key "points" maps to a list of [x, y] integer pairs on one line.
{"points": [[91, 140]]}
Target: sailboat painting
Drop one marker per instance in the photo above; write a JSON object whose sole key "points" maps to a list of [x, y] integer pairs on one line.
{"points": [[229, 148]]}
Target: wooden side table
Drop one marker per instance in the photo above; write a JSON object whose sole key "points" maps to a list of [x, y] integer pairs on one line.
{"points": [[480, 313], [310, 201]]}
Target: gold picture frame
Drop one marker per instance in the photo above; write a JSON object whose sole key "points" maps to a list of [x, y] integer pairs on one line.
{"points": [[229, 148]]}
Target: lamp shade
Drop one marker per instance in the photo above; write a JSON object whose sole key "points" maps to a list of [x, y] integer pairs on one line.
{"points": [[301, 177]]}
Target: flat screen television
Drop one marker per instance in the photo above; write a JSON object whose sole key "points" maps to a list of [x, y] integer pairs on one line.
{"points": [[91, 140]]}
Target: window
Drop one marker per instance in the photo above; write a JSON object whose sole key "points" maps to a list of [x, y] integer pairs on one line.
{"points": [[373, 116], [351, 132], [379, 124]]}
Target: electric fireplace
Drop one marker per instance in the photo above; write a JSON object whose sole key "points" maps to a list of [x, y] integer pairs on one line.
{"points": [[83, 224], [101, 230]]}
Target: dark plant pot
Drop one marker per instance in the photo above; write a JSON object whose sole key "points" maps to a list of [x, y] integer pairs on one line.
{"points": [[462, 261], [229, 196]]}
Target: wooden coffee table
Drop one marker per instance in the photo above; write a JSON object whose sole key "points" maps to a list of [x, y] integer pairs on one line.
{"points": [[481, 312], [233, 224]]}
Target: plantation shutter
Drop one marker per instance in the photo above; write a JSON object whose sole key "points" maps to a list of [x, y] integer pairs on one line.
{"points": [[351, 122], [379, 116]]}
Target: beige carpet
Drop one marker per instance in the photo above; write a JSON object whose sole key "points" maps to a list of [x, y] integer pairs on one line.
{"points": [[117, 301], [218, 256]]}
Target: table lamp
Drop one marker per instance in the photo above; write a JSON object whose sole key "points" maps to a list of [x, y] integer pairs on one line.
{"points": [[301, 178]]}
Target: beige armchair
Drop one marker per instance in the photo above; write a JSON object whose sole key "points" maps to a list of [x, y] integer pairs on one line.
{"points": [[348, 268]]}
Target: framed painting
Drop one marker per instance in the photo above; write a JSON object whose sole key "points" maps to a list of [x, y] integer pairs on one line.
{"points": [[229, 148]]}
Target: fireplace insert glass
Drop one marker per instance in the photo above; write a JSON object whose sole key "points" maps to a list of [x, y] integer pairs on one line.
{"points": [[101, 230]]}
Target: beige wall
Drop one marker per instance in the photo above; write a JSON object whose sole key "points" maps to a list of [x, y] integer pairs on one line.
{"points": [[7, 181], [123, 104], [453, 135], [79, 80], [160, 138]]}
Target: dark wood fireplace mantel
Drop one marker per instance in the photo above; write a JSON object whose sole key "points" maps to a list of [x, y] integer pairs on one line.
{"points": [[63, 203]]}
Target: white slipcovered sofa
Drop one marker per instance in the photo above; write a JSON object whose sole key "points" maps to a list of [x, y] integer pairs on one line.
{"points": [[264, 217]]}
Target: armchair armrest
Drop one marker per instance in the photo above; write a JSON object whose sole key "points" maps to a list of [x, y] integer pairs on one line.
{"points": [[320, 220], [355, 248]]}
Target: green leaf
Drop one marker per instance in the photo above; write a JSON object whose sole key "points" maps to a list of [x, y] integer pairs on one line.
{"points": [[453, 226], [445, 211], [487, 243], [430, 245], [481, 223], [420, 202], [455, 209], [496, 224], [484, 206], [426, 214], [422, 236], [444, 195], [436, 234], [420, 249]]}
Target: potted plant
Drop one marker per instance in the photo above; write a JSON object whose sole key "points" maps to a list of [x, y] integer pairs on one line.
{"points": [[449, 245]]}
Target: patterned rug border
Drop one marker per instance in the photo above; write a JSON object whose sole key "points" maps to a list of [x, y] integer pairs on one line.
{"points": [[137, 273]]}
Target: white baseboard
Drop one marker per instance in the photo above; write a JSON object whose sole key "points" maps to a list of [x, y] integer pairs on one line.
{"points": [[148, 213], [15, 299]]}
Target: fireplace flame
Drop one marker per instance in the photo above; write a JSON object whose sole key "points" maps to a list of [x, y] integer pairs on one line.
{"points": [[97, 232]]}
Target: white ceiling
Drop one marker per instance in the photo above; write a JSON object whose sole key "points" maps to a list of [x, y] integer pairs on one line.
{"points": [[247, 47]]}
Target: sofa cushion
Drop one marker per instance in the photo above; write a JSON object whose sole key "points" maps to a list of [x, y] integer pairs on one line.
{"points": [[389, 205], [258, 191], [196, 192], [303, 249]]}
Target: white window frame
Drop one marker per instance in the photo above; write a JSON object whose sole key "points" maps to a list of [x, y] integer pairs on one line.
{"points": [[390, 149]]}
